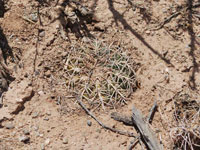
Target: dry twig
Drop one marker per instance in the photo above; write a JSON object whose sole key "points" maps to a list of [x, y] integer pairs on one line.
{"points": [[146, 133], [127, 120], [100, 123], [152, 112], [168, 19]]}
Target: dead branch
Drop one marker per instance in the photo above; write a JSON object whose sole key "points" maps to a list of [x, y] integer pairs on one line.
{"points": [[100, 123], [146, 133], [127, 120], [152, 112], [122, 118], [134, 143], [168, 19]]}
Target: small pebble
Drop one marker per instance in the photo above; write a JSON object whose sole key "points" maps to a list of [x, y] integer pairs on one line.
{"points": [[9, 126], [42, 34], [35, 114], [89, 123], [46, 119], [65, 141], [48, 73], [37, 72], [34, 17], [48, 113], [148, 32], [35, 128], [19, 100], [41, 93], [37, 134], [26, 75], [47, 141], [57, 26], [42, 147], [26, 132], [24, 139]]}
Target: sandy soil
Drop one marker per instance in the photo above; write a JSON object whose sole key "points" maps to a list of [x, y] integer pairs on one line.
{"points": [[37, 101]]}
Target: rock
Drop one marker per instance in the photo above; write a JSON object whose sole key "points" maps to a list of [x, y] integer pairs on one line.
{"points": [[35, 114], [148, 32], [4, 114], [9, 126], [42, 34], [34, 17], [48, 73], [42, 147], [46, 119], [89, 123], [19, 100], [26, 75], [37, 73], [26, 132], [41, 93], [37, 134], [24, 139], [65, 141], [64, 54], [16, 97], [57, 26], [35, 128], [48, 113], [47, 141]]}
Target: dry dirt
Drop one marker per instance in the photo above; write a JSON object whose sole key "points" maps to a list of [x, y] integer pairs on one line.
{"points": [[37, 100]]}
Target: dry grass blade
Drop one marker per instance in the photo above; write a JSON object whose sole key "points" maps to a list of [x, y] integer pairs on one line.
{"points": [[186, 135]]}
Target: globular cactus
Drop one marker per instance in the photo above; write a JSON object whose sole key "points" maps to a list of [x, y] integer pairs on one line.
{"points": [[103, 74]]}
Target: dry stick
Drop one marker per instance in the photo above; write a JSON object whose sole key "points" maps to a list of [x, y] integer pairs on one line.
{"points": [[146, 133], [175, 15], [100, 123], [149, 120], [128, 121], [134, 143], [152, 112], [122, 118], [168, 20]]}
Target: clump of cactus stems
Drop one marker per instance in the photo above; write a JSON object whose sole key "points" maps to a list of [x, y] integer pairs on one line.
{"points": [[103, 74]]}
